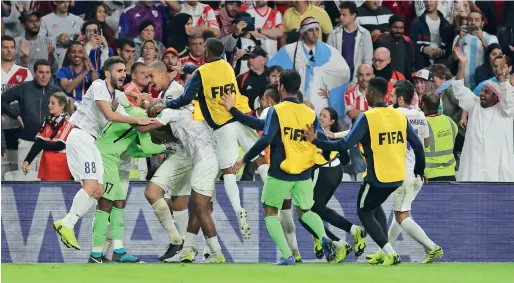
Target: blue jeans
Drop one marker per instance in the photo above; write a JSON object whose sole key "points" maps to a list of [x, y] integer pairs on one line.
{"points": [[358, 164]]}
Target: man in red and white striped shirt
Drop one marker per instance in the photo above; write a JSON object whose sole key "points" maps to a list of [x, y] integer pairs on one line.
{"points": [[203, 15], [268, 25], [355, 98]]}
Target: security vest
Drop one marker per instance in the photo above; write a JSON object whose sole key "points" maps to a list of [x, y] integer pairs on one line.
{"points": [[300, 153], [388, 139], [439, 157], [218, 78]]}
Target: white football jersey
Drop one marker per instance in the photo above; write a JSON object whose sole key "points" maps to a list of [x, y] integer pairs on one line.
{"points": [[88, 116], [195, 136], [419, 123]]}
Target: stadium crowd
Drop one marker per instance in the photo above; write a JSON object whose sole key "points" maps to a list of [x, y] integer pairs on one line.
{"points": [[51, 48]]}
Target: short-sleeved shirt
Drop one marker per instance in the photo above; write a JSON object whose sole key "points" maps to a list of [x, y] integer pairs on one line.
{"points": [[88, 116], [70, 74], [419, 122], [53, 25], [292, 19], [38, 50], [270, 19], [201, 14]]}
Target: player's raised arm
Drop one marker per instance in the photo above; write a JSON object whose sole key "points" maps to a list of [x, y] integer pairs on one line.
{"points": [[193, 87], [112, 116], [247, 120], [357, 132]]}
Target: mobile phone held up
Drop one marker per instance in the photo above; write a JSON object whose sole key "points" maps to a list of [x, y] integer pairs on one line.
{"points": [[471, 28]]}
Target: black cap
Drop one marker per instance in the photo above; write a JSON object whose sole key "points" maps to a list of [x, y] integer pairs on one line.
{"points": [[25, 16], [257, 51]]}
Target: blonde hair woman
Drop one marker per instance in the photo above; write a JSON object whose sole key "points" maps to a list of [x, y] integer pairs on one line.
{"points": [[149, 52]]}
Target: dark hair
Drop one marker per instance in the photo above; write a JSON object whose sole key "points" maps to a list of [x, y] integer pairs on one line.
{"points": [[73, 43], [215, 47], [404, 89], [273, 92], [441, 71], [333, 116], [136, 65], [208, 34], [275, 68], [299, 95], [350, 5], [431, 102], [41, 62], [476, 11], [489, 49], [291, 80], [87, 23], [111, 61], [122, 41], [378, 86], [145, 24], [507, 59], [8, 38], [396, 18]]}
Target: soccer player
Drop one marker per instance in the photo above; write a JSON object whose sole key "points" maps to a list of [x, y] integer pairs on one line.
{"points": [[116, 139], [210, 81], [196, 169], [401, 98], [292, 159], [84, 159], [383, 133]]}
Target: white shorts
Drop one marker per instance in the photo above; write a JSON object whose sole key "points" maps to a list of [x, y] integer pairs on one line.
{"points": [[84, 159], [229, 138], [174, 176], [205, 172], [405, 195]]}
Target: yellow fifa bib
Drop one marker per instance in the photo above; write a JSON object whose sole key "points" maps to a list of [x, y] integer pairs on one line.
{"points": [[218, 78], [197, 112], [388, 134], [300, 153]]}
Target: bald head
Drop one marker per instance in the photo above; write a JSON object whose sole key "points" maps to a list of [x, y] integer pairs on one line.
{"points": [[364, 74], [381, 58], [159, 66], [430, 103], [158, 75]]}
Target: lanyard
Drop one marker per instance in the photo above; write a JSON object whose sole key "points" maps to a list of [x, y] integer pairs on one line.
{"points": [[113, 94], [83, 84]]}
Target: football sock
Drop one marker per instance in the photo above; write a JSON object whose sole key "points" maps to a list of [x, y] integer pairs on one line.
{"points": [[287, 223], [313, 220], [417, 233], [117, 229], [163, 214], [108, 239], [181, 218], [394, 231], [388, 249], [99, 231], [189, 241], [277, 234], [214, 246], [232, 191], [82, 202]]}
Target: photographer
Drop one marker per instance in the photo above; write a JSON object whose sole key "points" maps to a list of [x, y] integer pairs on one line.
{"points": [[97, 48]]}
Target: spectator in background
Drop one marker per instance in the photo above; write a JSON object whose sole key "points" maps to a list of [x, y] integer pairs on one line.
{"points": [[384, 69], [351, 40], [274, 74], [400, 46], [497, 72], [485, 71], [404, 9], [31, 46], [300, 11], [33, 100], [424, 82], [196, 51], [138, 85], [139, 13], [324, 72], [126, 49], [149, 52], [62, 27], [242, 42], [178, 30], [472, 41], [443, 131], [171, 60], [98, 12], [446, 7], [147, 32], [506, 34], [373, 17], [97, 48], [268, 26], [432, 35], [202, 14], [51, 139], [11, 11], [76, 77], [252, 84], [12, 75], [490, 131], [227, 15]]}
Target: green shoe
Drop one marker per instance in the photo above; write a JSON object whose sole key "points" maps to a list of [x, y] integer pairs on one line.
{"points": [[218, 259], [433, 255], [67, 235], [359, 242], [393, 259], [344, 250], [377, 257], [318, 249], [187, 256]]}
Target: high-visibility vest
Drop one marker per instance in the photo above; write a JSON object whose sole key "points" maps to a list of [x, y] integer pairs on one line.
{"points": [[439, 157]]}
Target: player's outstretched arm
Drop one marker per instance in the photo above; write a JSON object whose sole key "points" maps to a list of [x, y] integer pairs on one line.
{"points": [[193, 87], [111, 116], [419, 152], [147, 146], [149, 127], [228, 102]]}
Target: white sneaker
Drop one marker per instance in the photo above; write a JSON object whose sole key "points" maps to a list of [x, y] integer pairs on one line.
{"points": [[187, 255], [243, 224], [173, 259]]}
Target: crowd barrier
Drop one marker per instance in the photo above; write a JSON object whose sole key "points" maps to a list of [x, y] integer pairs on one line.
{"points": [[472, 222]]}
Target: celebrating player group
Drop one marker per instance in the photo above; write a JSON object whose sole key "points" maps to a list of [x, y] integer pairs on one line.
{"points": [[201, 139]]}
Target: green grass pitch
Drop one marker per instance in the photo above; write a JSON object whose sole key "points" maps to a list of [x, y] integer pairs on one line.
{"points": [[250, 273]]}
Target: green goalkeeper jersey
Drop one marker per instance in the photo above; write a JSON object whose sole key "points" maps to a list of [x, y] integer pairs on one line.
{"points": [[116, 138]]}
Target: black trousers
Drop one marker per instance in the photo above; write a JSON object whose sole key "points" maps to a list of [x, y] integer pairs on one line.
{"points": [[371, 214], [443, 179], [327, 181]]}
